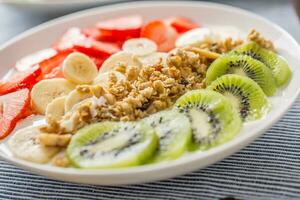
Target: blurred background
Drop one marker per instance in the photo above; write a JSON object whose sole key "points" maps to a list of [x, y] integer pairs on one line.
{"points": [[16, 16]]}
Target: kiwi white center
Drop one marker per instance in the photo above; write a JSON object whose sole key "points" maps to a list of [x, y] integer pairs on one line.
{"points": [[200, 124], [238, 71], [235, 101], [115, 142]]}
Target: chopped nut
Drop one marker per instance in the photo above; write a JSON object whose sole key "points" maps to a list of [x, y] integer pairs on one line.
{"points": [[83, 88], [111, 99], [147, 92], [256, 37], [112, 78], [174, 72], [97, 90], [121, 69], [159, 86], [132, 73], [61, 160], [126, 107], [54, 140]]}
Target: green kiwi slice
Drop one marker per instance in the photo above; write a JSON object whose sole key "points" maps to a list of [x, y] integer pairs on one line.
{"points": [[245, 95], [174, 132], [245, 66], [112, 145], [276, 63], [213, 120]]}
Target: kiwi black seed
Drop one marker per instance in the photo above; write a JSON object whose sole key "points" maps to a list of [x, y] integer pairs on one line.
{"points": [[276, 63], [245, 66], [112, 145], [244, 94], [213, 120], [174, 132]]}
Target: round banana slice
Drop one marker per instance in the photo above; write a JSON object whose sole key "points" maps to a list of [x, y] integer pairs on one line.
{"points": [[128, 59], [154, 58], [25, 145], [103, 78], [140, 46], [47, 90], [79, 68], [193, 37], [75, 97], [56, 109]]}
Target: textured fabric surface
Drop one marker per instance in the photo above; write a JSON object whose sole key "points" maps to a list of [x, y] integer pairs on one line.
{"points": [[269, 168]]}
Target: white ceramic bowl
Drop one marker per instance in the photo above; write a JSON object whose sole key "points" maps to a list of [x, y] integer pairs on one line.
{"points": [[54, 6], [204, 13]]}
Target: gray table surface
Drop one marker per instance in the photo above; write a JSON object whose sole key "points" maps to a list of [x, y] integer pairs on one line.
{"points": [[267, 169]]}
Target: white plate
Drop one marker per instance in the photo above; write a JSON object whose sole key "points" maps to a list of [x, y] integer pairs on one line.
{"points": [[204, 13], [54, 6]]}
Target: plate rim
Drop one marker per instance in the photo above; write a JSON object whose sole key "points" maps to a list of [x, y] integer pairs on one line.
{"points": [[242, 142], [47, 3]]}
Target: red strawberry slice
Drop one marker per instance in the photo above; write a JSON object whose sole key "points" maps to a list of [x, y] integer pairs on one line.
{"points": [[182, 24], [71, 37], [122, 28], [96, 49], [21, 80], [75, 40], [12, 107], [31, 60], [161, 33], [98, 34], [49, 64]]}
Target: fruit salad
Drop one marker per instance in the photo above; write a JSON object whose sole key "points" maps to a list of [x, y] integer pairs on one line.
{"points": [[128, 92]]}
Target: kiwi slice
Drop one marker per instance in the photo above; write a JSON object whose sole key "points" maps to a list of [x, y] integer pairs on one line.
{"points": [[112, 145], [244, 93], [245, 66], [276, 63], [213, 120], [174, 132]]}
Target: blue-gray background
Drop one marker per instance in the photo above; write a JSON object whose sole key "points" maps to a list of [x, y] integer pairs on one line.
{"points": [[267, 169]]}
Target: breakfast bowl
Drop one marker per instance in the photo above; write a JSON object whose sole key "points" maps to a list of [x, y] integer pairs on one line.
{"points": [[206, 14]]}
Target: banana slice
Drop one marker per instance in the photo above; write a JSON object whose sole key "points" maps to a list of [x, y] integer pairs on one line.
{"points": [[193, 37], [25, 145], [103, 78], [79, 68], [46, 91], [75, 97], [128, 59], [56, 109], [140, 46], [154, 58]]}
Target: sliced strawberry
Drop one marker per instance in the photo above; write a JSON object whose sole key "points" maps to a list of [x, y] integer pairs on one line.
{"points": [[49, 64], [75, 40], [160, 32], [122, 28], [30, 61], [98, 62], [98, 34], [96, 48], [182, 24], [12, 109], [21, 80], [71, 37]]}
